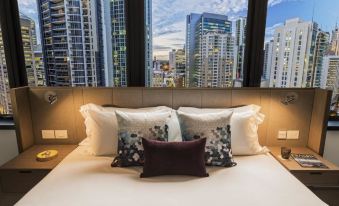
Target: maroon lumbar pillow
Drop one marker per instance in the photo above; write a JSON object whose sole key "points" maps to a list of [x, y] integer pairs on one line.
{"points": [[174, 158]]}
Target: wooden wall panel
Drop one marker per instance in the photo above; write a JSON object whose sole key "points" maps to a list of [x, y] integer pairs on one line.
{"points": [[22, 118], [318, 126], [58, 116], [78, 100], [99, 96], [216, 98], [65, 115], [157, 97], [296, 116], [186, 98], [127, 97]]}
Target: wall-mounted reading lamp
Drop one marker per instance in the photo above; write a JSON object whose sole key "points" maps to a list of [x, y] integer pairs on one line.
{"points": [[51, 97], [289, 98]]}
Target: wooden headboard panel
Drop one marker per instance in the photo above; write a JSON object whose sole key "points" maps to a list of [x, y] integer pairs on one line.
{"points": [[33, 114]]}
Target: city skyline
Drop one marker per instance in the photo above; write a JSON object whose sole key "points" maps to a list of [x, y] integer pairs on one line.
{"points": [[168, 17]]}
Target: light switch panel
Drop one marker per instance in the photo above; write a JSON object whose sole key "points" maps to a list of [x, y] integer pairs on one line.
{"points": [[47, 134], [293, 134], [61, 134], [281, 134]]}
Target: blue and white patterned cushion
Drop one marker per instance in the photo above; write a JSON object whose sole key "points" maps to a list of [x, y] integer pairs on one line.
{"points": [[215, 127], [132, 127]]}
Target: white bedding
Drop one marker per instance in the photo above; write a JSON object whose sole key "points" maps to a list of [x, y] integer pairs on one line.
{"points": [[82, 179]]}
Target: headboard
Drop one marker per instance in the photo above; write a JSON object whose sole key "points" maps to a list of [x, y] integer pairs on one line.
{"points": [[308, 114]]}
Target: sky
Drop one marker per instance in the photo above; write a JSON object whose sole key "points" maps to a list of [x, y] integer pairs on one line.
{"points": [[169, 16]]}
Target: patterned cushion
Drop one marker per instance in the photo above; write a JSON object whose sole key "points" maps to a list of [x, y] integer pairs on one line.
{"points": [[215, 127], [132, 127]]}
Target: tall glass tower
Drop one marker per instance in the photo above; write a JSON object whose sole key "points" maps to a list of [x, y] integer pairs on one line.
{"points": [[69, 41], [119, 41], [200, 29]]}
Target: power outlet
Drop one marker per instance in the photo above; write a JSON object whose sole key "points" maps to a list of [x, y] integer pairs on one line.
{"points": [[47, 134], [61, 134], [293, 134], [282, 134]]}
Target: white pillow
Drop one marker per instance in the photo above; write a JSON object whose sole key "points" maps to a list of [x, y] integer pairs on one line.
{"points": [[244, 130], [102, 126], [244, 127]]}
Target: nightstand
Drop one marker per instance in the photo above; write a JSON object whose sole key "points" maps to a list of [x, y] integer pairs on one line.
{"points": [[323, 182], [22, 173]]}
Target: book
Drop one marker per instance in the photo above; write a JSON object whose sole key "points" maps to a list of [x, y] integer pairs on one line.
{"points": [[308, 160]]}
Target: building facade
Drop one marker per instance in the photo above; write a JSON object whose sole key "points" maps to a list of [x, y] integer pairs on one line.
{"points": [[29, 42], [199, 25], [330, 73], [239, 46], [268, 50], [69, 42], [217, 56], [177, 62], [5, 106], [295, 54]]}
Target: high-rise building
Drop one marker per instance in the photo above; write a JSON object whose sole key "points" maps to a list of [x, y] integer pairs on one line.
{"points": [[177, 62], [334, 48], [29, 41], [296, 54], [330, 75], [69, 42], [119, 42], [5, 106], [268, 50], [217, 56], [198, 26], [321, 49], [239, 46], [28, 34], [148, 43], [39, 67]]}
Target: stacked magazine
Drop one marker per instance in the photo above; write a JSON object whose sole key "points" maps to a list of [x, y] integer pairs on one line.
{"points": [[308, 160]]}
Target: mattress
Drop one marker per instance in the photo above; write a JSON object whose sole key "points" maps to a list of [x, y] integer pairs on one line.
{"points": [[82, 179]]}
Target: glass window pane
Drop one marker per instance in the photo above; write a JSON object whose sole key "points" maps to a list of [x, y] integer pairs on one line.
{"points": [[198, 43], [302, 45], [5, 102]]}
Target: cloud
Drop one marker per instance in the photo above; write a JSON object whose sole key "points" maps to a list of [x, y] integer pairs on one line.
{"points": [[167, 31], [270, 31]]}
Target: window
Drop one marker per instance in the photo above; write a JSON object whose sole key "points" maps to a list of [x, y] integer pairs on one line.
{"points": [[5, 106], [198, 43], [302, 45]]}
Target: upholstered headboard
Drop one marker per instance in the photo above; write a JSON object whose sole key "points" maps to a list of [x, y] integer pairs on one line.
{"points": [[308, 114]]}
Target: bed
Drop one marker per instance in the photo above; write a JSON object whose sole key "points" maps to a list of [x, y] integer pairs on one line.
{"points": [[83, 179]]}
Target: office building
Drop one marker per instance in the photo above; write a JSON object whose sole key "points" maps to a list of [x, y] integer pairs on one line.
{"points": [[330, 73], [321, 49], [198, 26], [268, 51], [148, 43], [296, 53], [39, 67], [5, 106], [119, 38], [177, 63], [69, 42], [239, 46], [29, 41], [216, 56], [334, 47]]}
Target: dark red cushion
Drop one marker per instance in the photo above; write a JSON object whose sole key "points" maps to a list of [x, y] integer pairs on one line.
{"points": [[174, 158]]}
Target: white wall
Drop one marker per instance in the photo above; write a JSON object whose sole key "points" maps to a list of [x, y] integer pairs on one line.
{"points": [[8, 146], [331, 152]]}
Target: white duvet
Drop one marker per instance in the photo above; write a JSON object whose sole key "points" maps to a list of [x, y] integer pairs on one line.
{"points": [[82, 179]]}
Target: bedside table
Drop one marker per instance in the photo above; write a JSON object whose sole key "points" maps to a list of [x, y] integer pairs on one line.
{"points": [[323, 182], [22, 173]]}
